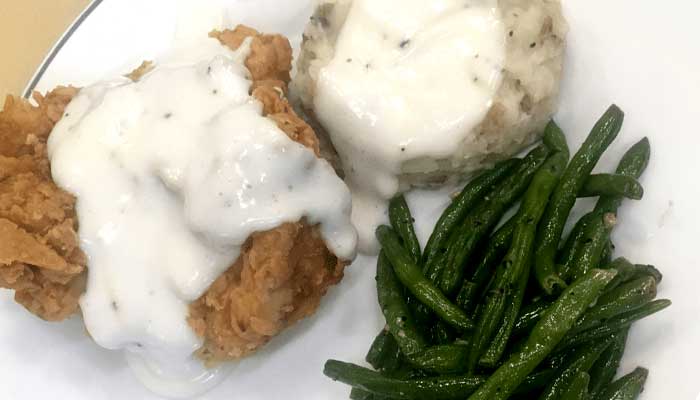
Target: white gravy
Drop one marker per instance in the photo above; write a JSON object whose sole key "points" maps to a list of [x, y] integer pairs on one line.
{"points": [[172, 174], [409, 80]]}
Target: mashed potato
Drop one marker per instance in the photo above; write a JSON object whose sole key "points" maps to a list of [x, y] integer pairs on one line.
{"points": [[522, 98]]}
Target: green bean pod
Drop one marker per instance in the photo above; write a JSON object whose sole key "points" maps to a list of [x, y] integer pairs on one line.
{"points": [[536, 381], [485, 216], [564, 196], [451, 387], [625, 298], [555, 139], [629, 387], [495, 350], [578, 390], [489, 320], [595, 239], [359, 394], [398, 318], [529, 316], [633, 163], [495, 250], [612, 185], [441, 359], [402, 222], [384, 353], [604, 370], [454, 214], [546, 335], [412, 278], [581, 361], [568, 254], [517, 263], [613, 325]]}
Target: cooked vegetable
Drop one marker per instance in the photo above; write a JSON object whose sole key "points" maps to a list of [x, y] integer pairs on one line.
{"points": [[412, 278], [474, 289], [391, 300], [604, 370], [567, 342], [384, 354], [485, 216], [578, 390], [626, 388], [514, 272], [632, 164], [402, 222], [564, 196], [613, 325], [625, 298], [612, 185], [581, 361], [555, 139], [454, 214], [441, 359], [548, 332], [453, 387], [596, 236]]}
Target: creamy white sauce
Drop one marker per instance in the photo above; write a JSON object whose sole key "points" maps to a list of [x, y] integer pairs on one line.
{"points": [[172, 174], [409, 80]]}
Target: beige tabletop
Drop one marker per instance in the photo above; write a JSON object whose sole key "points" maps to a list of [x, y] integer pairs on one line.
{"points": [[28, 31]]}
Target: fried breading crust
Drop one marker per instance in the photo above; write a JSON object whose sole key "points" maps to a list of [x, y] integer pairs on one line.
{"points": [[39, 254], [279, 278]]}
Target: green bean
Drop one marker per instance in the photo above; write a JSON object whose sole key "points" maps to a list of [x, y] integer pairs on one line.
{"points": [[441, 359], [648, 270], [625, 298], [595, 238], [515, 268], [398, 317], [578, 390], [629, 387], [581, 361], [495, 350], [402, 222], [568, 254], [632, 164], [496, 249], [485, 216], [466, 294], [564, 196], [452, 387], [359, 394], [384, 354], [604, 370], [628, 271], [535, 381], [612, 185], [412, 278], [555, 139], [441, 333], [608, 250], [548, 332], [472, 193], [487, 323], [613, 325], [529, 316]]}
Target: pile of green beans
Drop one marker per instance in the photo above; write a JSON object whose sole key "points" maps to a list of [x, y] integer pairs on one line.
{"points": [[496, 310]]}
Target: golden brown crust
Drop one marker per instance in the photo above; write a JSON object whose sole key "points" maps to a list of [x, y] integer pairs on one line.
{"points": [[279, 278], [281, 274], [39, 254]]}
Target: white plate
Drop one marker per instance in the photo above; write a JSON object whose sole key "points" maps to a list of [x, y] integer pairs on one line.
{"points": [[641, 54]]}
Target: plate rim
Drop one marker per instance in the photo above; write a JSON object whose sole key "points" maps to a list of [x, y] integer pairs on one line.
{"points": [[67, 34]]}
